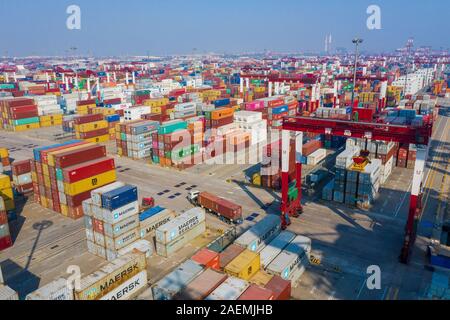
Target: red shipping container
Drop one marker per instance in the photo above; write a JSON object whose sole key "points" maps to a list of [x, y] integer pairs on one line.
{"points": [[17, 102], [310, 147], [23, 109], [88, 169], [94, 133], [86, 102], [74, 157], [88, 118], [44, 153], [26, 188], [75, 212], [281, 288], [231, 252], [98, 226], [21, 167], [24, 115], [5, 242], [220, 206], [3, 217], [76, 200], [207, 258], [255, 292], [112, 101]]}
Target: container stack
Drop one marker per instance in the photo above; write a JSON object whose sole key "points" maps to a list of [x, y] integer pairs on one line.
{"points": [[112, 220], [112, 120], [50, 113], [135, 139], [219, 117], [21, 175], [175, 234], [252, 122], [135, 113], [83, 106], [92, 128], [121, 279], [7, 195], [5, 236], [151, 219], [183, 110], [65, 174], [4, 160], [19, 114], [69, 102], [157, 105]]}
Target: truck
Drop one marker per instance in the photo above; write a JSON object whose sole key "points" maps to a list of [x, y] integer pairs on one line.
{"points": [[227, 211]]}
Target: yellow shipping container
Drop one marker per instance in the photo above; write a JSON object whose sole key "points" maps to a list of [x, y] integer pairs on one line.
{"points": [[91, 126], [33, 176], [50, 123], [156, 110], [47, 181], [26, 127], [261, 278], [7, 194], [44, 202], [51, 155], [84, 185], [5, 182], [112, 131], [64, 210], [4, 153], [245, 265], [98, 139], [52, 117]]}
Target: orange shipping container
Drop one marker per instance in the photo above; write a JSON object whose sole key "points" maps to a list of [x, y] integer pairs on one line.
{"points": [[221, 113], [208, 258]]}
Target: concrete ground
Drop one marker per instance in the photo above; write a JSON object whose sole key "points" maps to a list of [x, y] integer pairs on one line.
{"points": [[346, 240]]}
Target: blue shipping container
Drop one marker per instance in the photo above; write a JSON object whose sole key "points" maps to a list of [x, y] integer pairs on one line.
{"points": [[150, 213], [119, 197], [221, 102], [113, 118], [280, 109]]}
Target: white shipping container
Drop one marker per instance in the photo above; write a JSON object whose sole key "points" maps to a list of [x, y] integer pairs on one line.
{"points": [[87, 206], [149, 225], [122, 241], [345, 158], [129, 288], [114, 230], [273, 249], [4, 230], [180, 225], [90, 235], [317, 156], [167, 249], [143, 246], [247, 116], [22, 179], [6, 293], [55, 290], [231, 289], [96, 195], [120, 214]]}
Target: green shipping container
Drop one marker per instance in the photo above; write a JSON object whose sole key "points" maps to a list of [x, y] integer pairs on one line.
{"points": [[170, 128], [7, 86], [22, 122], [182, 153], [123, 136]]}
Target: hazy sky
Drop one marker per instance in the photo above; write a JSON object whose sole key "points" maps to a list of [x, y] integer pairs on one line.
{"points": [[117, 27]]}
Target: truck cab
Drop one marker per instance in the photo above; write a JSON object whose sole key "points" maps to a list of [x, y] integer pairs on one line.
{"points": [[193, 196]]}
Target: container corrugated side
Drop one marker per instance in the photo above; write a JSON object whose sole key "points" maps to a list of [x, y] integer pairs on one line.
{"points": [[148, 226], [129, 288], [230, 289], [260, 234], [244, 266], [55, 290], [273, 249], [6, 293], [177, 280], [167, 249], [103, 281], [202, 286], [181, 224], [96, 195]]}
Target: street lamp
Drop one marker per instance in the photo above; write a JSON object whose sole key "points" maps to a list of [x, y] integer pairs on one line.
{"points": [[357, 42]]}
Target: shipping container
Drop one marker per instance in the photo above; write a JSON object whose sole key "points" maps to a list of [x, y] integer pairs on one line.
{"points": [[6, 293], [129, 288], [264, 231], [244, 266], [281, 288], [255, 292], [181, 224], [231, 289], [202, 286], [261, 278], [220, 206], [167, 249], [273, 249], [173, 283], [55, 290], [207, 258], [231, 252]]}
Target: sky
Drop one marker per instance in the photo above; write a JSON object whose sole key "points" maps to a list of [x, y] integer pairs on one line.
{"points": [[163, 27]]}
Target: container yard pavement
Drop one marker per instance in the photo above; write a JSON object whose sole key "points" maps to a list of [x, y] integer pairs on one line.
{"points": [[346, 240]]}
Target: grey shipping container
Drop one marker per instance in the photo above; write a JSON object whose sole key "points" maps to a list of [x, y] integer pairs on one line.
{"points": [[177, 280], [260, 234]]}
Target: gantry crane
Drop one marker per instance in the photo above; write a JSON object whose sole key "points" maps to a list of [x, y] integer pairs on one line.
{"points": [[419, 136]]}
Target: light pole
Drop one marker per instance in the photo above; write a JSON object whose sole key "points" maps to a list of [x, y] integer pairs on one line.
{"points": [[356, 41]]}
